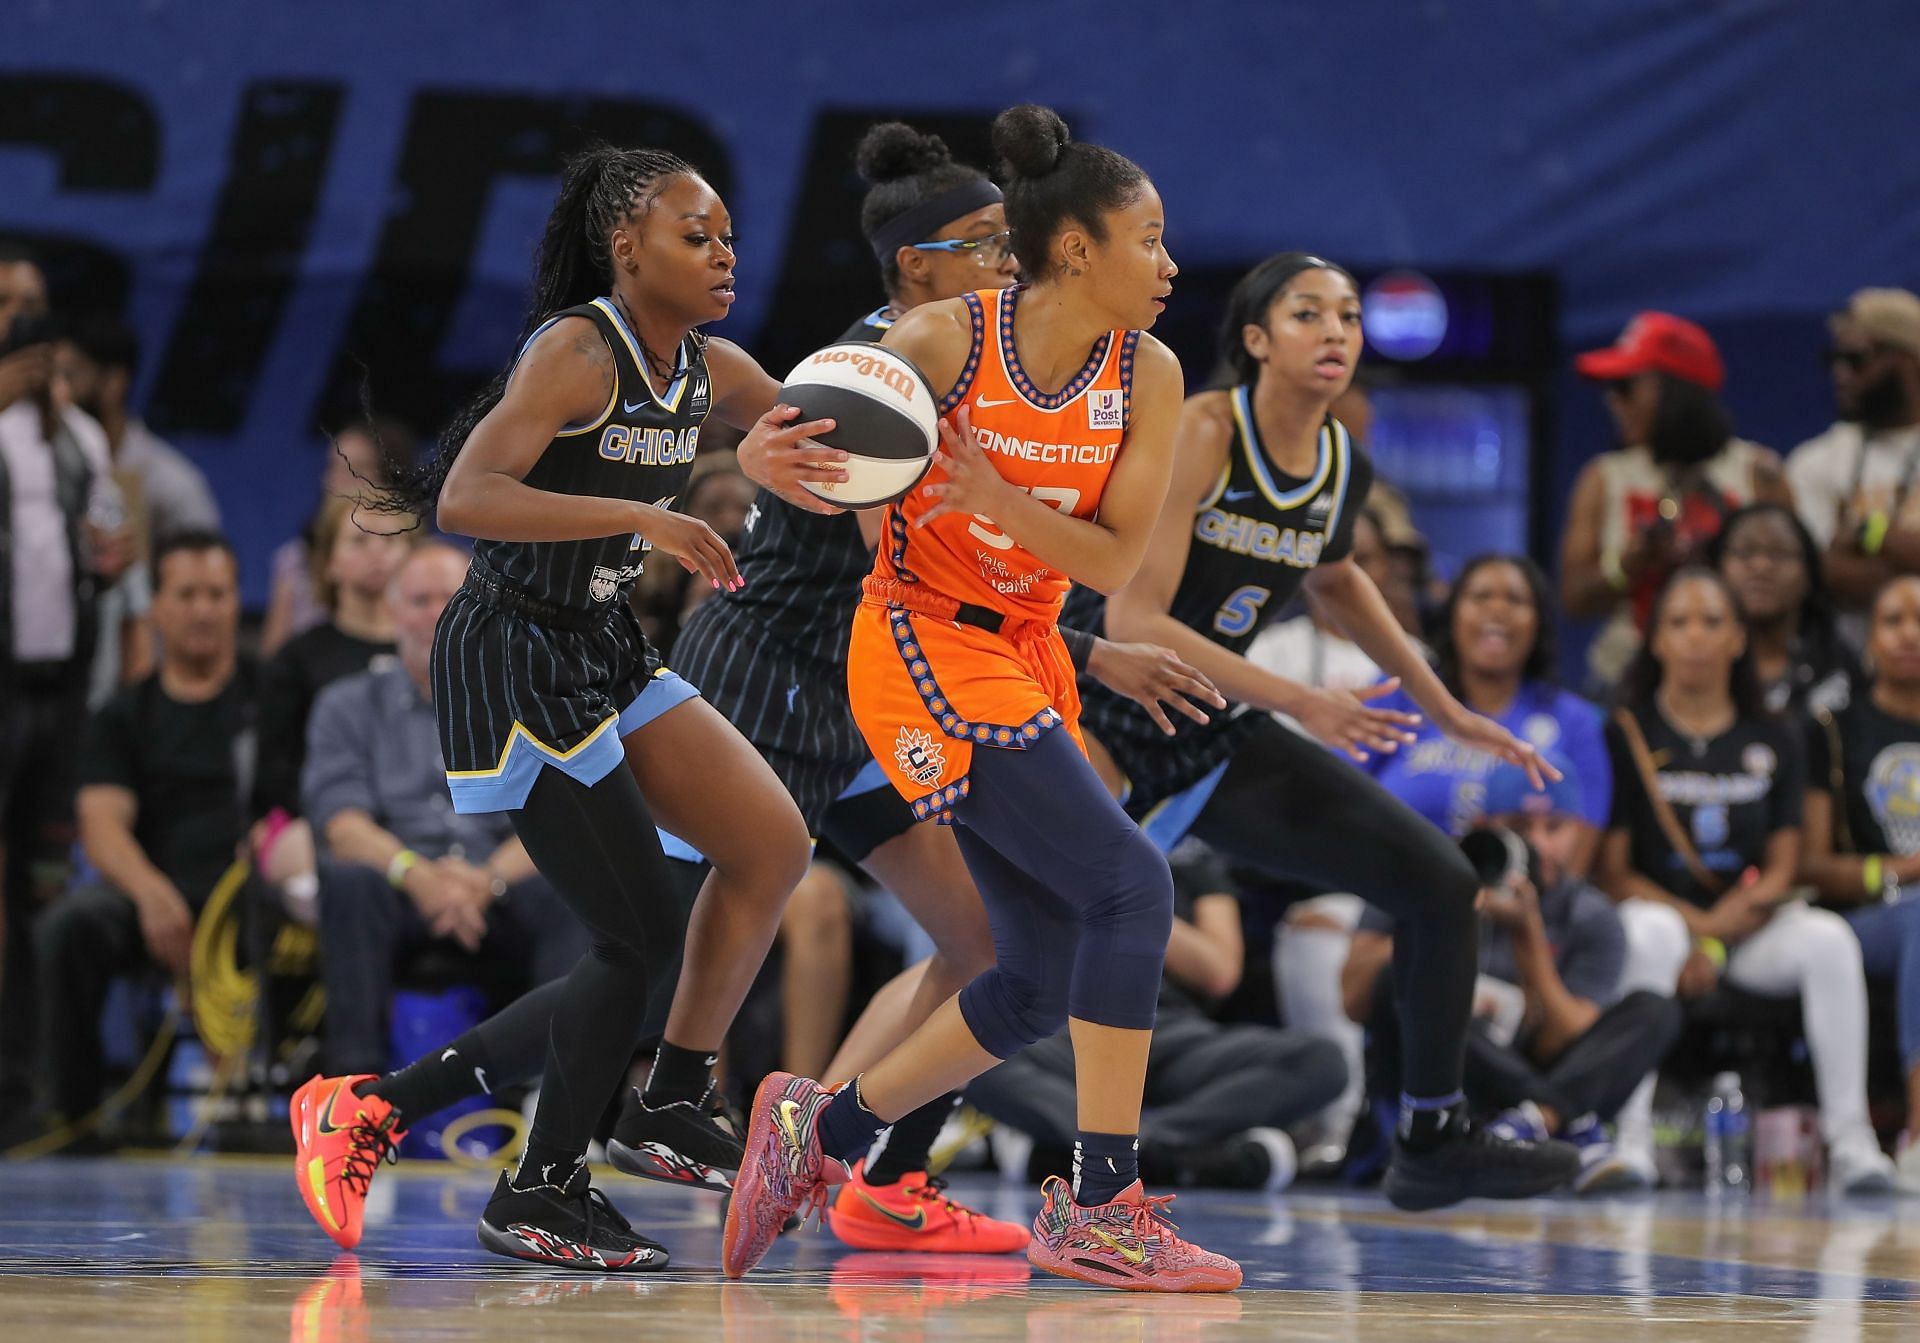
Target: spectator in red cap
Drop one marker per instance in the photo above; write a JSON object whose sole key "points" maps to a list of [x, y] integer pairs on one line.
{"points": [[1855, 481], [1651, 505]]}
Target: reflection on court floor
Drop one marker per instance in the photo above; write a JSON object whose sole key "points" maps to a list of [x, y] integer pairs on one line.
{"points": [[223, 1249]]}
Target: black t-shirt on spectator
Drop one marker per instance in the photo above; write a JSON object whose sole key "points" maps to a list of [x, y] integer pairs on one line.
{"points": [[183, 764], [1730, 793], [1879, 810], [307, 664]]}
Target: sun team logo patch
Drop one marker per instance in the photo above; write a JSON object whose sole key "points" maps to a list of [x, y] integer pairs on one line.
{"points": [[1105, 409], [919, 756]]}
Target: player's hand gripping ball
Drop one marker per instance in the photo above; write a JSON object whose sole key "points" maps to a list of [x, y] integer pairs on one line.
{"points": [[884, 416]]}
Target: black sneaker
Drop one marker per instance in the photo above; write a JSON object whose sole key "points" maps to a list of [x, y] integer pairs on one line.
{"points": [[1474, 1162], [683, 1143], [574, 1227]]}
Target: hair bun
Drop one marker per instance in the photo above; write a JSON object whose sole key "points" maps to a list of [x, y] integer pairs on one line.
{"points": [[893, 150], [1029, 139]]}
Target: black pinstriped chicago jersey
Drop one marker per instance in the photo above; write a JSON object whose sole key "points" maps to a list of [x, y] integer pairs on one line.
{"points": [[803, 570], [1256, 536], [641, 447]]}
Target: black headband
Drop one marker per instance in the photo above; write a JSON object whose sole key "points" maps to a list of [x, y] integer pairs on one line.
{"points": [[932, 215]]}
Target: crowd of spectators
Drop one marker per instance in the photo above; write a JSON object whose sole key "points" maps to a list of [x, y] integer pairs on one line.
{"points": [[1738, 818]]}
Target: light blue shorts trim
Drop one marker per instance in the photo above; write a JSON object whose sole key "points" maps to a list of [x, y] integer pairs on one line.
{"points": [[870, 777], [592, 761], [1167, 824]]}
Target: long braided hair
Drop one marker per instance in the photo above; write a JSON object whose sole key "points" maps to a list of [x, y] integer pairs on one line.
{"points": [[600, 188]]}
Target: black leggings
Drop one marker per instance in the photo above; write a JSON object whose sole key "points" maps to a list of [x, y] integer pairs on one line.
{"points": [[598, 848], [1290, 809]]}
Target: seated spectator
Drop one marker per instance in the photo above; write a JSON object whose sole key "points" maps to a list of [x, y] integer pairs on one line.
{"points": [[1217, 1096], [1708, 792], [1862, 849], [99, 358], [161, 808], [1497, 653], [359, 458], [1555, 1045], [1650, 506], [403, 869], [1854, 482], [354, 565], [1773, 567]]}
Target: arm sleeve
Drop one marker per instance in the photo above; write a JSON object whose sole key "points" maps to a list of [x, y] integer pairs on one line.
{"points": [[339, 768], [1596, 955]]}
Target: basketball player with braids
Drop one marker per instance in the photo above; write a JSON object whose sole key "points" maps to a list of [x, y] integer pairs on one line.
{"points": [[1057, 439], [1266, 488], [772, 656], [553, 707]]}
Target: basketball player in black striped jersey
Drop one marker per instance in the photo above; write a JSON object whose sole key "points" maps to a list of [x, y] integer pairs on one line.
{"points": [[1265, 491], [771, 655], [552, 706]]}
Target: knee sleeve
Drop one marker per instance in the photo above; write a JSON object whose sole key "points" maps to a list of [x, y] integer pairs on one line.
{"points": [[1123, 937], [1007, 1010], [1657, 946]]}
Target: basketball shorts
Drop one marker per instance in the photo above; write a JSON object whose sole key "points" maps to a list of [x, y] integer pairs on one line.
{"points": [[929, 691]]}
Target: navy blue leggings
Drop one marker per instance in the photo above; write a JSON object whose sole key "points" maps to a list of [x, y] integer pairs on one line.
{"points": [[1081, 903]]}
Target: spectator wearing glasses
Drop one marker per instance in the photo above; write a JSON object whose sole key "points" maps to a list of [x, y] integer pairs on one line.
{"points": [[1854, 482], [1770, 561], [1651, 505]]}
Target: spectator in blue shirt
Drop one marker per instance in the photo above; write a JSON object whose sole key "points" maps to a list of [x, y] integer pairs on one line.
{"points": [[1495, 651], [402, 868]]}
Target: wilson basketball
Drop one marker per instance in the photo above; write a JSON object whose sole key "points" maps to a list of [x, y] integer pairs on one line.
{"points": [[884, 419]]}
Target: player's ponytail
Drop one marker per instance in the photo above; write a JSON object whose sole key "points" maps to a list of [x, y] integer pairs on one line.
{"points": [[599, 188], [915, 188], [1247, 306], [1053, 180]]}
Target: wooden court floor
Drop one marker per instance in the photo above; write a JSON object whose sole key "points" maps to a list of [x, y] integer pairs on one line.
{"points": [[222, 1249]]}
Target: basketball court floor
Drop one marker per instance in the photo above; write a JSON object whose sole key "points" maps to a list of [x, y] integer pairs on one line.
{"points": [[223, 1249]]}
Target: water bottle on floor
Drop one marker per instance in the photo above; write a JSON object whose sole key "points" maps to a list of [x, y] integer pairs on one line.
{"points": [[1729, 1135]]}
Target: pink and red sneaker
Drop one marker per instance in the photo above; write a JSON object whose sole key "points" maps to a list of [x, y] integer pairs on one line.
{"points": [[1128, 1243]]}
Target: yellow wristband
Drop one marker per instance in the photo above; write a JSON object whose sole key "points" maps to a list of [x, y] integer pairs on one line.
{"points": [[402, 864], [1873, 872], [1873, 533], [1715, 951]]}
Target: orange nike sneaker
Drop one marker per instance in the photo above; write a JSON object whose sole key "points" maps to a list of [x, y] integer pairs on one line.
{"points": [[1128, 1243], [340, 1139], [916, 1214]]}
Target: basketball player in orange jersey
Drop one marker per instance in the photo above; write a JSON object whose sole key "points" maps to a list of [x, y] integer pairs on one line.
{"points": [[1057, 448]]}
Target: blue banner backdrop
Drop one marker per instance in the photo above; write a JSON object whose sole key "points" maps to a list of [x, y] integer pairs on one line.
{"points": [[281, 194]]}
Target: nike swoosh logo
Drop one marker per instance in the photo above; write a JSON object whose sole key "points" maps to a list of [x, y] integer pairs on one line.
{"points": [[326, 1124], [1135, 1255], [1234, 496], [985, 404], [317, 1178], [917, 1222], [631, 406], [783, 1115]]}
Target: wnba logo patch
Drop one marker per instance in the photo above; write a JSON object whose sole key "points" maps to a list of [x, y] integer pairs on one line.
{"points": [[919, 756], [1105, 409]]}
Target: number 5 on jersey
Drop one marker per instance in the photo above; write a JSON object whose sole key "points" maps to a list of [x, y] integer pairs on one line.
{"points": [[1239, 611]]}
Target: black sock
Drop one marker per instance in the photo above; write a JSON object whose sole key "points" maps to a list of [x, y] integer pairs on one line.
{"points": [[542, 1165], [1425, 1124], [909, 1143], [1103, 1165], [847, 1126], [434, 1081], [679, 1075]]}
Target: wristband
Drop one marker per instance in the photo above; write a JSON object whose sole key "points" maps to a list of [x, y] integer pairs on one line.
{"points": [[1873, 873], [402, 864], [1614, 572], [1873, 533], [1079, 646], [1715, 950]]}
